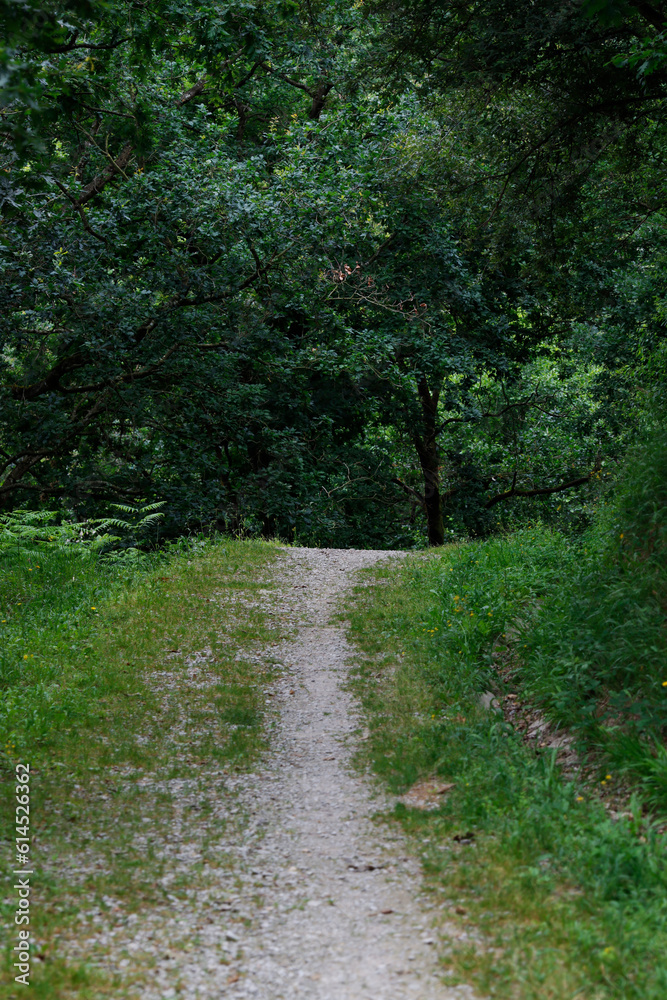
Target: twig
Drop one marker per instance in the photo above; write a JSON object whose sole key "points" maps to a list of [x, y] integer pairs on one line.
{"points": [[79, 207]]}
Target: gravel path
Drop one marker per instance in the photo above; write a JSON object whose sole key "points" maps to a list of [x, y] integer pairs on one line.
{"points": [[341, 915], [315, 900]]}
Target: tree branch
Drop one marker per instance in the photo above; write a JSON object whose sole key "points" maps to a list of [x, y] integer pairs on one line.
{"points": [[82, 214], [409, 490], [72, 44], [531, 401], [542, 491], [80, 359], [100, 182], [187, 95], [293, 83], [650, 14]]}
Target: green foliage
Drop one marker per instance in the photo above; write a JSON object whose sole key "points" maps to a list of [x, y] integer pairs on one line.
{"points": [[28, 529], [141, 520], [50, 600], [538, 858], [580, 621], [242, 252], [598, 650]]}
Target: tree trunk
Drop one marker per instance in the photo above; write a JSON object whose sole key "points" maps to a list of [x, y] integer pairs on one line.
{"points": [[427, 450]]}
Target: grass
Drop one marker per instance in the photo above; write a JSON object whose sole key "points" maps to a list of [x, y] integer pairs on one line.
{"points": [[131, 691], [596, 652], [567, 900]]}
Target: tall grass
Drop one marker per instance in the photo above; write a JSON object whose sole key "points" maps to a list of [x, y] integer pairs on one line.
{"points": [[597, 648], [52, 586]]}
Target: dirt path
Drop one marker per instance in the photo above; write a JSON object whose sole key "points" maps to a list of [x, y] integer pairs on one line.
{"points": [[318, 902], [340, 915]]}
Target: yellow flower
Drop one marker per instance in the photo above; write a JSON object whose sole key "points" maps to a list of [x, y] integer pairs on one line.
{"points": [[25, 656], [664, 684], [580, 798], [93, 609], [621, 535], [608, 777]]}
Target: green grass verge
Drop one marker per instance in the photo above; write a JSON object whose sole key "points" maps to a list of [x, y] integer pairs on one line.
{"points": [[128, 736], [567, 901]]}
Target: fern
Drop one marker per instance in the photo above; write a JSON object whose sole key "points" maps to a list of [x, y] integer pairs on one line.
{"points": [[30, 531], [23, 528], [143, 517]]}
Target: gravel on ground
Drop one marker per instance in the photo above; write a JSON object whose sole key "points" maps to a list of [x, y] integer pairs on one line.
{"points": [[322, 901]]}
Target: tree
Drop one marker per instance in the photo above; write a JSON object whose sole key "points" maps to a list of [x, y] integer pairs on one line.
{"points": [[249, 254]]}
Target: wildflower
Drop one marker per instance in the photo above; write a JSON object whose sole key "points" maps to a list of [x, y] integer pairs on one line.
{"points": [[621, 535], [93, 609], [664, 684], [608, 777], [25, 656], [580, 798]]}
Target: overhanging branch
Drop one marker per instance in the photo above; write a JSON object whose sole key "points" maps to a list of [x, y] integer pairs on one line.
{"points": [[409, 490], [540, 491]]}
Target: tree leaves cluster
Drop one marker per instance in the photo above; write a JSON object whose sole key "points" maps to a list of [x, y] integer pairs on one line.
{"points": [[316, 269]]}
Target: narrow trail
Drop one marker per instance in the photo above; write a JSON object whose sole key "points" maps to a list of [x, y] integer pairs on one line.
{"points": [[341, 916], [308, 897]]}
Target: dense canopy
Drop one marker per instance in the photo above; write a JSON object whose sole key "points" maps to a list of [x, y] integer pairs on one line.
{"points": [[349, 273]]}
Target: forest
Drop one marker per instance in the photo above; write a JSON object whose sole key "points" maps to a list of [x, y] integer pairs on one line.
{"points": [[382, 276], [353, 274]]}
